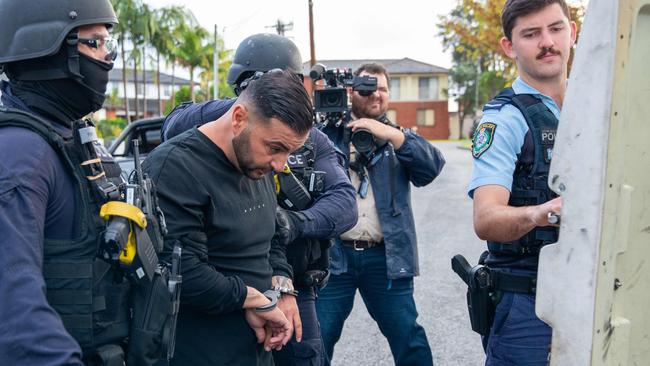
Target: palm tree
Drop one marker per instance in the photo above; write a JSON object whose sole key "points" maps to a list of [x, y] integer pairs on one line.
{"points": [[194, 51], [135, 56], [140, 34], [124, 9], [151, 27], [169, 20]]}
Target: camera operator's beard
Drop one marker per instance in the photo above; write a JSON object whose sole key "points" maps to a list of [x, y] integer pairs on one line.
{"points": [[242, 148], [360, 108]]}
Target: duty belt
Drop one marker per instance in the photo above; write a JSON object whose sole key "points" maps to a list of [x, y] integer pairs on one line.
{"points": [[484, 285], [514, 248], [505, 281], [362, 244]]}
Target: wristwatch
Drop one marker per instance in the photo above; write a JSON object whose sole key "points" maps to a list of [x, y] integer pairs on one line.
{"points": [[284, 285], [285, 290], [273, 296]]}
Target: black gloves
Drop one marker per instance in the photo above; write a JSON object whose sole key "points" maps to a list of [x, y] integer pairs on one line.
{"points": [[286, 230]]}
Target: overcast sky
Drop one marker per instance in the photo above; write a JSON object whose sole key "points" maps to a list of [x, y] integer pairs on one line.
{"points": [[344, 29]]}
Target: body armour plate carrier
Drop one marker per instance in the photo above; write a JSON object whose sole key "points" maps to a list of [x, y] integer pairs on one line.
{"points": [[80, 287], [307, 255], [104, 312], [530, 178]]}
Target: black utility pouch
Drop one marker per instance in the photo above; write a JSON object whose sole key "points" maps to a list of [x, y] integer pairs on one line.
{"points": [[480, 302], [151, 309]]}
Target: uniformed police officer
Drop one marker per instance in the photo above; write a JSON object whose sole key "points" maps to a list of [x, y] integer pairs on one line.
{"points": [[330, 211], [512, 149], [61, 304]]}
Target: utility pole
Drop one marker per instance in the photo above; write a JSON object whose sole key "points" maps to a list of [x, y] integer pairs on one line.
{"points": [[281, 27], [215, 66], [312, 55]]}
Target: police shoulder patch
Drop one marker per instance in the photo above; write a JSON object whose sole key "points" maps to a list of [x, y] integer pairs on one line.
{"points": [[483, 137]]}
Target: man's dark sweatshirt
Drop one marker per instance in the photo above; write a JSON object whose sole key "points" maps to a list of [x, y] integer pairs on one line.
{"points": [[225, 222]]}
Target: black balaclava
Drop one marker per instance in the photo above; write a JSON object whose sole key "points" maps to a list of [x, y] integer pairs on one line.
{"points": [[48, 86]]}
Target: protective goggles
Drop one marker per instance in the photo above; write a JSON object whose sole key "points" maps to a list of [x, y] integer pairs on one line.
{"points": [[109, 43]]}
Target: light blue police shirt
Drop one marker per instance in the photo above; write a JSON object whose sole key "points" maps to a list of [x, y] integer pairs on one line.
{"points": [[496, 165]]}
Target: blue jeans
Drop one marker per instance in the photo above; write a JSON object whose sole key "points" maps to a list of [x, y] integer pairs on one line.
{"points": [[518, 337], [389, 302], [308, 352]]}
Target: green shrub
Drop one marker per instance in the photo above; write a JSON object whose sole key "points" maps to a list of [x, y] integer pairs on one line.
{"points": [[110, 128]]}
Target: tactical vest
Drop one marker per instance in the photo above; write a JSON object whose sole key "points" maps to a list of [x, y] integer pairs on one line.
{"points": [[530, 178], [91, 299], [307, 254]]}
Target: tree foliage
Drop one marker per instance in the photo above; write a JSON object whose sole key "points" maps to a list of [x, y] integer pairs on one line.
{"points": [[170, 21], [110, 128], [173, 36], [194, 51], [124, 10], [472, 32]]}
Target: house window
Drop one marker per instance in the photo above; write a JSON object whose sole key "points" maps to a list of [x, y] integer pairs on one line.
{"points": [[395, 88], [425, 117], [166, 90], [140, 90], [392, 115], [428, 88]]}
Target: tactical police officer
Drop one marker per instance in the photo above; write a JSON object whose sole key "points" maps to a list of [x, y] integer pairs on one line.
{"points": [[323, 208], [61, 303], [512, 149]]}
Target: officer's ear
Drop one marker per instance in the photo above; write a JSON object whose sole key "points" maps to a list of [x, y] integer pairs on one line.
{"points": [[574, 32], [240, 116], [506, 46]]}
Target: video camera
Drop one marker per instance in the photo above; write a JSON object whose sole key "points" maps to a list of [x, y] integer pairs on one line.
{"points": [[332, 102], [366, 143]]}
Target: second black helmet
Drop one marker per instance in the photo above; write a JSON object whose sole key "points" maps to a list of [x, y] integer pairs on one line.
{"points": [[264, 52]]}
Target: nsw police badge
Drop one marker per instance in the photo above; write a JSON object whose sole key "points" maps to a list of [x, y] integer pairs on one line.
{"points": [[483, 137]]}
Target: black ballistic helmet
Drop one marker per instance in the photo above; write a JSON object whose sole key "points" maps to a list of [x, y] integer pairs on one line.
{"points": [[36, 28], [264, 52]]}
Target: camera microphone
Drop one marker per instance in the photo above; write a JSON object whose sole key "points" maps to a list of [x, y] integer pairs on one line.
{"points": [[317, 71]]}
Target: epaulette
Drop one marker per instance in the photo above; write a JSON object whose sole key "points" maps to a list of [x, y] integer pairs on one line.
{"points": [[503, 98]]}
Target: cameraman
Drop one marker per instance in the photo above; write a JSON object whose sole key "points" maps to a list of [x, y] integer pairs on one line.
{"points": [[379, 255], [332, 212]]}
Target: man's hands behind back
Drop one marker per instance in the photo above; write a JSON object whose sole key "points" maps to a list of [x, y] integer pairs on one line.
{"points": [[271, 328]]}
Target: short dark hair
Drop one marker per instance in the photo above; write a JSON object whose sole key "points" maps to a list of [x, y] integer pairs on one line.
{"points": [[373, 68], [280, 94], [514, 9]]}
